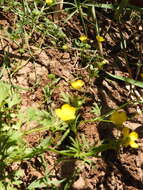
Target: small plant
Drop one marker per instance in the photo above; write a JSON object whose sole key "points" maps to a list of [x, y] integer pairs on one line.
{"points": [[127, 138], [49, 88], [96, 110]]}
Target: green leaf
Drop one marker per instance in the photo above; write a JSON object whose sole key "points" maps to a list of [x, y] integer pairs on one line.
{"points": [[2, 185], [44, 182], [41, 148], [10, 187], [101, 5], [126, 79], [37, 184], [4, 91], [123, 4], [14, 99]]}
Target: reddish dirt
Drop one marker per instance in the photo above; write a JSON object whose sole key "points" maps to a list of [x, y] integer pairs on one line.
{"points": [[114, 170]]}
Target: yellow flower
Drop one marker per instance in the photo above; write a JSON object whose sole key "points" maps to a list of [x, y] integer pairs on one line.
{"points": [[100, 39], [65, 47], [118, 117], [141, 75], [129, 138], [77, 84], [66, 112], [83, 38], [49, 2]]}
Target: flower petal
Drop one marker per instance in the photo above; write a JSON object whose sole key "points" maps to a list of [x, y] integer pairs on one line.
{"points": [[49, 2], [66, 112], [133, 144], [133, 136], [83, 38], [58, 112], [77, 84], [118, 117], [100, 39]]}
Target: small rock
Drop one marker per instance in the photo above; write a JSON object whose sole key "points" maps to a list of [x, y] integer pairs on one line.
{"points": [[80, 184], [66, 56]]}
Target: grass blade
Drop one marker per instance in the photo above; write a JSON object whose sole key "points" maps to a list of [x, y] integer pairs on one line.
{"points": [[126, 79]]}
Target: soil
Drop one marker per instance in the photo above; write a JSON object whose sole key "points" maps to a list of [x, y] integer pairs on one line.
{"points": [[113, 170]]}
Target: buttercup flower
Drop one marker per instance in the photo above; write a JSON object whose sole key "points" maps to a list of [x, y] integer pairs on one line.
{"points": [[49, 2], [66, 112], [77, 84], [83, 38], [129, 138], [100, 39], [118, 117]]}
